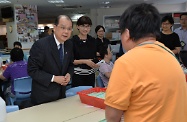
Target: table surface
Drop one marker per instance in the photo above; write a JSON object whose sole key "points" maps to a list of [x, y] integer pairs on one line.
{"points": [[65, 110], [95, 116]]}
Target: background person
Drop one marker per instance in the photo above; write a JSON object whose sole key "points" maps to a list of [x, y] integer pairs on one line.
{"points": [[17, 44], [101, 41], [50, 71], [84, 54], [147, 79], [17, 69], [169, 38], [45, 33], [105, 68], [182, 32]]}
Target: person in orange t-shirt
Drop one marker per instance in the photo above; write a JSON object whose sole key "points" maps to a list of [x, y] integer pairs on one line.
{"points": [[147, 83]]}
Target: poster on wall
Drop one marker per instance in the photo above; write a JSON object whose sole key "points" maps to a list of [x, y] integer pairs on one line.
{"points": [[27, 23]]}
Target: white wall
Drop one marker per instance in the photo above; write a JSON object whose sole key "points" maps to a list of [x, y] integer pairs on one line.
{"points": [[2, 29], [12, 37], [98, 14], [166, 8]]}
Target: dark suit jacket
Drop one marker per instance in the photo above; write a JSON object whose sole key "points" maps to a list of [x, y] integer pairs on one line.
{"points": [[43, 63]]}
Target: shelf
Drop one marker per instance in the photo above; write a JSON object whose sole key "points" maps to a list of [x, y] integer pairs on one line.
{"points": [[111, 24], [112, 27]]}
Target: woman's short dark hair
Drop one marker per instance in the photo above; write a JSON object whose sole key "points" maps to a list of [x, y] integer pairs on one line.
{"points": [[16, 54], [98, 27], [103, 51], [183, 14], [142, 20], [17, 43], [168, 18], [84, 20]]}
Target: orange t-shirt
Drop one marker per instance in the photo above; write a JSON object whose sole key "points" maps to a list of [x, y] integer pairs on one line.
{"points": [[149, 85]]}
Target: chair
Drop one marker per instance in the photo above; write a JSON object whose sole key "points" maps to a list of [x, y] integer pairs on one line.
{"points": [[26, 56], [22, 88], [68, 86], [11, 108], [73, 91], [99, 82]]}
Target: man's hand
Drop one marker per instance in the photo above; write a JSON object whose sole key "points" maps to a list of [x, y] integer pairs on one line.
{"points": [[62, 80], [67, 77]]}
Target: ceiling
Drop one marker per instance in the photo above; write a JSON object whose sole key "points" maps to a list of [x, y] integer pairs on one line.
{"points": [[70, 7]]}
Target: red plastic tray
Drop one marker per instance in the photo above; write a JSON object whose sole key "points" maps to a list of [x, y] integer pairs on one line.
{"points": [[90, 100]]}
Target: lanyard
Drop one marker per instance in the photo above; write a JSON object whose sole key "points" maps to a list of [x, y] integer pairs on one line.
{"points": [[144, 43]]}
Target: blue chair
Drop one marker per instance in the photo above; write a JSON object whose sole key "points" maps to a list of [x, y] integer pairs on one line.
{"points": [[73, 91], [22, 88], [26, 56], [11, 108], [68, 86], [99, 82]]}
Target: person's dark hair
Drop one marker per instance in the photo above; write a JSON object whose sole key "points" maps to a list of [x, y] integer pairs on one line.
{"points": [[98, 27], [46, 28], [17, 43], [168, 18], [58, 18], [183, 14], [103, 51], [142, 20], [16, 54], [84, 20]]}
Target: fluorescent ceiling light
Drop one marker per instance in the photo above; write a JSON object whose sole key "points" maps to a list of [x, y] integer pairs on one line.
{"points": [[4, 1], [76, 17], [56, 1], [106, 2]]}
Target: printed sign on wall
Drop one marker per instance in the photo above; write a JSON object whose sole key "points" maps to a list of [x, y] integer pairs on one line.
{"points": [[27, 23]]}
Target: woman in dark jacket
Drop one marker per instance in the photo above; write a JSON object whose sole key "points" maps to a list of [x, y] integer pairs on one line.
{"points": [[101, 41], [169, 38], [84, 54]]}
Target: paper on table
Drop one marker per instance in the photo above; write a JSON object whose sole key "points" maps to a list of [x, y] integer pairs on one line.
{"points": [[104, 120], [2, 110]]}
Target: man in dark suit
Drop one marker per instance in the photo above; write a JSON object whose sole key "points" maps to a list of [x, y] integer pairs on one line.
{"points": [[50, 71]]}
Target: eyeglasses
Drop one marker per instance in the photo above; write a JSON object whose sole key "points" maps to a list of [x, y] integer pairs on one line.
{"points": [[111, 51], [85, 26], [64, 28]]}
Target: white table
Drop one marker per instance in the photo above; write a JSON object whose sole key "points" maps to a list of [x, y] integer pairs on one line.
{"points": [[64, 110], [95, 116]]}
